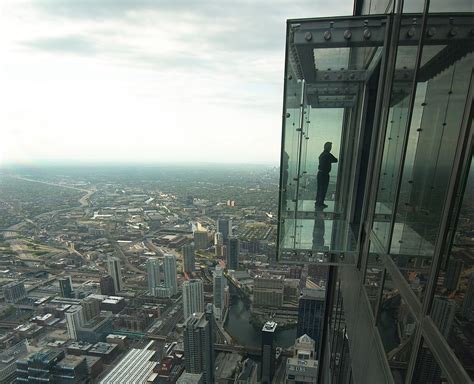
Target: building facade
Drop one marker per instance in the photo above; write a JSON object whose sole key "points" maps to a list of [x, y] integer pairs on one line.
{"points": [[198, 350], [193, 297], [14, 291], [114, 269], [169, 269], [311, 314], [233, 252], [65, 287], [268, 352], [107, 286], [189, 258], [153, 269], [224, 226], [303, 366], [219, 293], [377, 131]]}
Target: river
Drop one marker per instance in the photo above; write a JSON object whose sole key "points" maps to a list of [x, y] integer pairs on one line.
{"points": [[238, 325]]}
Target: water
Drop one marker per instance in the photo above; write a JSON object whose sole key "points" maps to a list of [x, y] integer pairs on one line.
{"points": [[238, 325]]}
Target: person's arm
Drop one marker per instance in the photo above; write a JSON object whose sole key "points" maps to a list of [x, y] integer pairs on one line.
{"points": [[333, 159]]}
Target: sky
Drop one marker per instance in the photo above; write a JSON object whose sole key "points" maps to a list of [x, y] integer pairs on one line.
{"points": [[145, 81]]}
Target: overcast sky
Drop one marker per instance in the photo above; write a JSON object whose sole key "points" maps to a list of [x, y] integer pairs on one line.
{"points": [[145, 81]]}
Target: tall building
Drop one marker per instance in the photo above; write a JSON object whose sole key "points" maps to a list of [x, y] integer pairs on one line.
{"points": [[224, 226], [468, 303], [201, 240], [51, 366], [74, 319], [153, 269], [233, 252], [189, 258], [303, 366], [113, 267], [65, 286], [14, 291], [218, 238], [169, 268], [198, 351], [219, 292], [311, 313], [268, 352], [107, 285], [90, 308], [268, 291], [375, 169], [193, 297], [453, 274]]}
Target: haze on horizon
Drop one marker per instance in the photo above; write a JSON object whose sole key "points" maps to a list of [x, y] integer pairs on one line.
{"points": [[145, 81]]}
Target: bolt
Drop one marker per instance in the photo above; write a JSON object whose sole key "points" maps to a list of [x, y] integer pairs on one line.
{"points": [[290, 77], [347, 34], [327, 35], [453, 32], [367, 34], [411, 32], [431, 31], [352, 76], [288, 115], [308, 36]]}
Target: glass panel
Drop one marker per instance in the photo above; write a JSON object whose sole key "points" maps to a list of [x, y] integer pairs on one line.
{"points": [[435, 126], [373, 281], [427, 369], [395, 134], [396, 326], [453, 305]]}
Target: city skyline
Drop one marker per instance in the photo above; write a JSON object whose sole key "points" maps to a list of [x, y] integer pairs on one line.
{"points": [[200, 85]]}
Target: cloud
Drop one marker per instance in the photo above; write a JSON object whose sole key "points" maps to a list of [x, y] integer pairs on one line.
{"points": [[65, 44]]}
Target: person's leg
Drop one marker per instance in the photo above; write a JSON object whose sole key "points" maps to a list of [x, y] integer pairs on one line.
{"points": [[318, 189], [324, 187]]}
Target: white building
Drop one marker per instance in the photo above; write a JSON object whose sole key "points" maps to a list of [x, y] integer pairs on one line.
{"points": [[153, 268], [74, 319], [193, 297], [303, 366], [219, 292]]}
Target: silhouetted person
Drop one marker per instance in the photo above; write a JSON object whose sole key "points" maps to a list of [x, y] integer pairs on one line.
{"points": [[325, 160]]}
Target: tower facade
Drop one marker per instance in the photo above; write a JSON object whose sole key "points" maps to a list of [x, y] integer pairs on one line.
{"points": [[193, 297], [233, 252], [169, 268], [189, 258], [153, 269], [114, 269]]}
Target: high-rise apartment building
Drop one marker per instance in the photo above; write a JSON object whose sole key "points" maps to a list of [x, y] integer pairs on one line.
{"points": [[65, 286], [107, 285], [375, 169], [268, 352], [14, 291], [201, 239], [311, 313], [193, 297], [198, 350], [233, 252], [114, 269], [189, 258], [153, 269], [74, 319], [224, 226], [219, 293], [169, 269]]}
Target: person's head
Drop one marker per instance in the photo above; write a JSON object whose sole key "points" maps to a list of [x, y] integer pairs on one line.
{"points": [[328, 146]]}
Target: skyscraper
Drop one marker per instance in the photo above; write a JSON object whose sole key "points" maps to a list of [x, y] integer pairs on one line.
{"points": [[153, 269], [74, 319], [268, 352], [65, 286], [113, 266], [198, 351], [219, 284], [311, 313], [193, 297], [233, 253], [224, 226], [188, 258], [303, 366], [453, 274], [201, 240], [169, 267], [107, 285]]}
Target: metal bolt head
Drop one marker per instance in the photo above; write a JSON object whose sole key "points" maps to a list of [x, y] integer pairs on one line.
{"points": [[308, 36], [411, 32], [288, 114], [367, 34], [290, 77], [327, 35], [431, 31], [347, 34], [453, 32]]}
